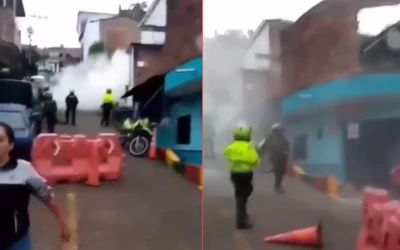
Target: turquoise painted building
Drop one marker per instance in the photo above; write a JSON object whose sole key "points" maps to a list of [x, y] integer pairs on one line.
{"points": [[349, 127], [181, 130]]}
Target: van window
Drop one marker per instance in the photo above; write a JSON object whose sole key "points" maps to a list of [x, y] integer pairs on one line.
{"points": [[300, 147], [14, 119]]}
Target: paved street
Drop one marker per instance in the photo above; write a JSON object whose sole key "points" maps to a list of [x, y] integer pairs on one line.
{"points": [[151, 208], [302, 206]]}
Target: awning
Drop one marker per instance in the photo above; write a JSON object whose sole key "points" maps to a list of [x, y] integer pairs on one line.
{"points": [[149, 95], [185, 79]]}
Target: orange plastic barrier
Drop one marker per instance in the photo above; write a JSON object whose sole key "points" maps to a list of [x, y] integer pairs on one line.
{"points": [[43, 151], [371, 196], [392, 234], [111, 157], [76, 158], [380, 229]]}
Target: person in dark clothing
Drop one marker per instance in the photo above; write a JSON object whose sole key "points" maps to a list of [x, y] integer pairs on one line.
{"points": [[71, 102], [50, 112], [41, 98], [18, 181], [277, 148], [106, 106]]}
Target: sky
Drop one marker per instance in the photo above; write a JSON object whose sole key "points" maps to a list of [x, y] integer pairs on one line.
{"points": [[247, 14], [59, 25]]}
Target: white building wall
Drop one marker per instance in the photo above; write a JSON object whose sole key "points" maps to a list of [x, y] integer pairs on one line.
{"points": [[92, 35], [92, 29], [159, 15], [152, 37], [260, 46], [156, 17]]}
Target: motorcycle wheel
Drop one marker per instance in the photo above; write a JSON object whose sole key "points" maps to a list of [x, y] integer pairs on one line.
{"points": [[140, 140]]}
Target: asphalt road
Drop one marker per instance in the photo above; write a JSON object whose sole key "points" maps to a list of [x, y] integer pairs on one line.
{"points": [[152, 207], [301, 206]]}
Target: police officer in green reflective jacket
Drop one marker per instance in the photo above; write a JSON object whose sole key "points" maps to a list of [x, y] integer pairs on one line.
{"points": [[243, 158]]}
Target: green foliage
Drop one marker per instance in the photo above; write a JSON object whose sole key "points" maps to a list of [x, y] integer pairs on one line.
{"points": [[99, 48]]}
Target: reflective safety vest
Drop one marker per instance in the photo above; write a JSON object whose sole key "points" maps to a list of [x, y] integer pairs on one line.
{"points": [[108, 98], [242, 156]]}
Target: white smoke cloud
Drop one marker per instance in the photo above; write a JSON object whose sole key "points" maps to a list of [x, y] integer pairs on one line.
{"points": [[90, 79]]}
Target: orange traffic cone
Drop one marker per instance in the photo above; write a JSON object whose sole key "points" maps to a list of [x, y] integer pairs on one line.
{"points": [[152, 153], [310, 237]]}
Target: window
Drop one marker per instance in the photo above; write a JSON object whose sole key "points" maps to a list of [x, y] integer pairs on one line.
{"points": [[183, 130], [300, 147], [320, 133], [14, 119], [262, 56], [141, 64]]}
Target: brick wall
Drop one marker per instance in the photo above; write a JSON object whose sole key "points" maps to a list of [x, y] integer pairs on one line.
{"points": [[7, 25], [119, 32], [184, 30], [150, 55], [323, 44], [273, 76]]}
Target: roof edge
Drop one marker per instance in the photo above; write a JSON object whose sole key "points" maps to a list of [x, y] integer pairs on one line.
{"points": [[149, 11]]}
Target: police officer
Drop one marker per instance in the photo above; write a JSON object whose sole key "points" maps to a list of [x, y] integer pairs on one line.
{"points": [[71, 102], [107, 105], [277, 148], [50, 112], [243, 158]]}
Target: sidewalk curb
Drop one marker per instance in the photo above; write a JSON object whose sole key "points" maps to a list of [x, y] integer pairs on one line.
{"points": [[193, 173], [329, 184]]}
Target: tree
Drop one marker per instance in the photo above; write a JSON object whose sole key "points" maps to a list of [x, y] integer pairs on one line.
{"points": [[99, 48], [232, 36]]}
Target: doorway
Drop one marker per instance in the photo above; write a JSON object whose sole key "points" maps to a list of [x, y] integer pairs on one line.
{"points": [[373, 152]]}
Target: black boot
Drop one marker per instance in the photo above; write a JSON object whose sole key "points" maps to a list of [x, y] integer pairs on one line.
{"points": [[279, 190], [248, 219], [241, 216]]}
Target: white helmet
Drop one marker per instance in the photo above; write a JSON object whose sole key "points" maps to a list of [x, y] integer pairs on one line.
{"points": [[277, 127]]}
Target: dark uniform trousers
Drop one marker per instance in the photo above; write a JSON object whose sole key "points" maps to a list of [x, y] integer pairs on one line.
{"points": [[279, 166], [243, 187]]}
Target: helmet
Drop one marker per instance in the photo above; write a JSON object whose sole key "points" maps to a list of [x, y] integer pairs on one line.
{"points": [[48, 95], [242, 133], [277, 128]]}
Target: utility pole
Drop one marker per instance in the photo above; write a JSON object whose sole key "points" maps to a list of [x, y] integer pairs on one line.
{"points": [[30, 33]]}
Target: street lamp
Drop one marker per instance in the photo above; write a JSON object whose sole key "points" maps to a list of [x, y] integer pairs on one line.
{"points": [[30, 33]]}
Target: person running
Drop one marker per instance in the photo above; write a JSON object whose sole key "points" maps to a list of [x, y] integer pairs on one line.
{"points": [[277, 148], [18, 181]]}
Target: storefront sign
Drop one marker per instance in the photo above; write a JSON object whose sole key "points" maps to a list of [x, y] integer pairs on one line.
{"points": [[353, 131]]}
